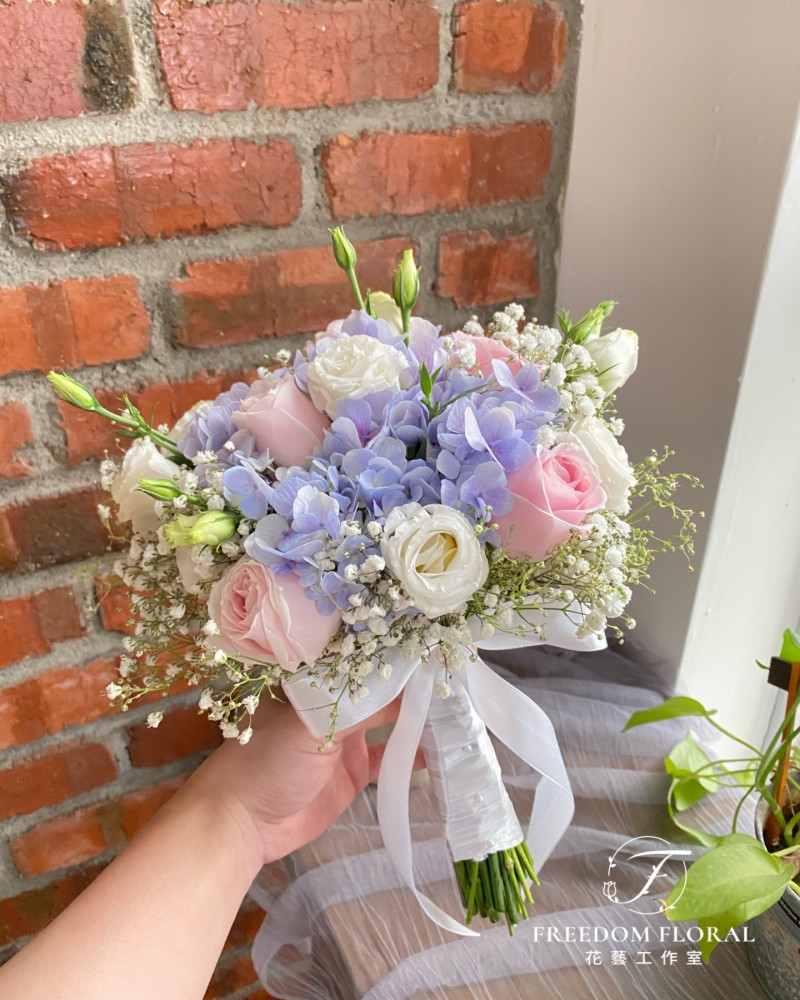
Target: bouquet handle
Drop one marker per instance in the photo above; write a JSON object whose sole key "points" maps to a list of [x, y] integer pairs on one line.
{"points": [[465, 775]]}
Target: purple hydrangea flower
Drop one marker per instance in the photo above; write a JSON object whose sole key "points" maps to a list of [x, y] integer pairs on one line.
{"points": [[209, 428], [247, 490]]}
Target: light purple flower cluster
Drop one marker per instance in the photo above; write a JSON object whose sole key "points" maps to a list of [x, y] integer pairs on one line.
{"points": [[209, 429], [443, 435]]}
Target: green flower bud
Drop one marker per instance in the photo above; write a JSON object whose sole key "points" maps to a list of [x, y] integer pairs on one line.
{"points": [[159, 489], [590, 325], [213, 527], [343, 250], [405, 287], [72, 391]]}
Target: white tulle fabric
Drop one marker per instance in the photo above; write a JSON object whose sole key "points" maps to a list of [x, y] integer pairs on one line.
{"points": [[516, 721], [342, 925]]}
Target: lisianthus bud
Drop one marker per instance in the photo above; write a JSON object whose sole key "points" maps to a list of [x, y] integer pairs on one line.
{"points": [[159, 489], [343, 250], [72, 391], [213, 527], [405, 287], [590, 325]]}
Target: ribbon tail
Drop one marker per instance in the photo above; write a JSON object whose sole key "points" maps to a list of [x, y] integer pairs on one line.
{"points": [[525, 729], [393, 785]]}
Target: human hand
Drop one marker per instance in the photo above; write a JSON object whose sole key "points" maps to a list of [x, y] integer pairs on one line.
{"points": [[281, 788]]}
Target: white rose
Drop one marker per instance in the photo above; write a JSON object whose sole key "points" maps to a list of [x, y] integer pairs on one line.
{"points": [[435, 555], [142, 461], [610, 458], [352, 367], [615, 355]]}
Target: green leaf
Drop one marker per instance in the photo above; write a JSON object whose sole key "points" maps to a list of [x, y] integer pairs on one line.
{"points": [[425, 380], [706, 839], [686, 759], [687, 791], [672, 708], [790, 650], [728, 885], [743, 777], [563, 320]]}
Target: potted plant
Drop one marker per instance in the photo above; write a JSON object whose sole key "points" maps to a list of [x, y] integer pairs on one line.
{"points": [[744, 877]]}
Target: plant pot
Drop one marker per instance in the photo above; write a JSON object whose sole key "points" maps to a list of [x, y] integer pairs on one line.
{"points": [[775, 950]]}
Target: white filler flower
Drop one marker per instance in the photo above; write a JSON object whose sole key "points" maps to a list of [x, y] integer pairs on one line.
{"points": [[353, 367], [435, 555]]}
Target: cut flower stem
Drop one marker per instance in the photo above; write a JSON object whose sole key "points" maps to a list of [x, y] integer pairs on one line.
{"points": [[499, 885]]}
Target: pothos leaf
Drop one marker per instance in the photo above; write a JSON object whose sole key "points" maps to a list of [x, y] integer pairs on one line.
{"points": [[672, 708], [728, 885], [790, 650]]}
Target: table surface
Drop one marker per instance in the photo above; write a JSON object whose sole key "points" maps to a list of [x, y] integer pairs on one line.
{"points": [[344, 928]]}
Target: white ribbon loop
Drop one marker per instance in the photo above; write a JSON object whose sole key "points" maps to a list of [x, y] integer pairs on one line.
{"points": [[514, 719], [525, 729]]}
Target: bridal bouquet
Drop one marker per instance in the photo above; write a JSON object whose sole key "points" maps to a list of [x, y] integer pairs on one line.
{"points": [[364, 519]]}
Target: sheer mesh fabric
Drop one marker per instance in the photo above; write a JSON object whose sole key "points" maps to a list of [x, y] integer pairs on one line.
{"points": [[339, 926]]}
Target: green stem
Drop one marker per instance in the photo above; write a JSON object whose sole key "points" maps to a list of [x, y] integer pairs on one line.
{"points": [[143, 430], [351, 277], [737, 739], [473, 886]]}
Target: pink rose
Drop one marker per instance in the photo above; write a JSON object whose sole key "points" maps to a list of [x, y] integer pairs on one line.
{"points": [[553, 493], [266, 616], [282, 419], [487, 350]]}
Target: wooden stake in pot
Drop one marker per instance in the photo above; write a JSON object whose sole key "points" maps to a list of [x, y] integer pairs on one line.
{"points": [[787, 677]]}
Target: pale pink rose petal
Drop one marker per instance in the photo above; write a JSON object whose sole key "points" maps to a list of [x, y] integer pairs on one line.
{"points": [[266, 617], [553, 493]]}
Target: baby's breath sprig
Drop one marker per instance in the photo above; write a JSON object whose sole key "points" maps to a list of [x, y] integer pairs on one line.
{"points": [[655, 490]]}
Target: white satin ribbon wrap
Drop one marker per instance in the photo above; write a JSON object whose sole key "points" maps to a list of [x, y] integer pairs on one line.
{"points": [[479, 818], [513, 718]]}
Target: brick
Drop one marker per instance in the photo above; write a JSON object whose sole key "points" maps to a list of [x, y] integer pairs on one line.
{"points": [[61, 58], [244, 928], [30, 625], [71, 323], [15, 433], [146, 191], [226, 56], [85, 833], [409, 173], [31, 911], [501, 47], [52, 530], [114, 602], [9, 553], [52, 701], [274, 295], [53, 777], [164, 402], [231, 974], [182, 732], [475, 269]]}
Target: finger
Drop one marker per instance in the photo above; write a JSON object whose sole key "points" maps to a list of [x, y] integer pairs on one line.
{"points": [[387, 714], [376, 757]]}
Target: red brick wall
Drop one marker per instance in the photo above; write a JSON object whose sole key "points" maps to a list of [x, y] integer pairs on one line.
{"points": [[168, 173]]}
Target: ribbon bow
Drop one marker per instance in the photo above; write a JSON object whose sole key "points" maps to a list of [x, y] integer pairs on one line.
{"points": [[515, 720]]}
